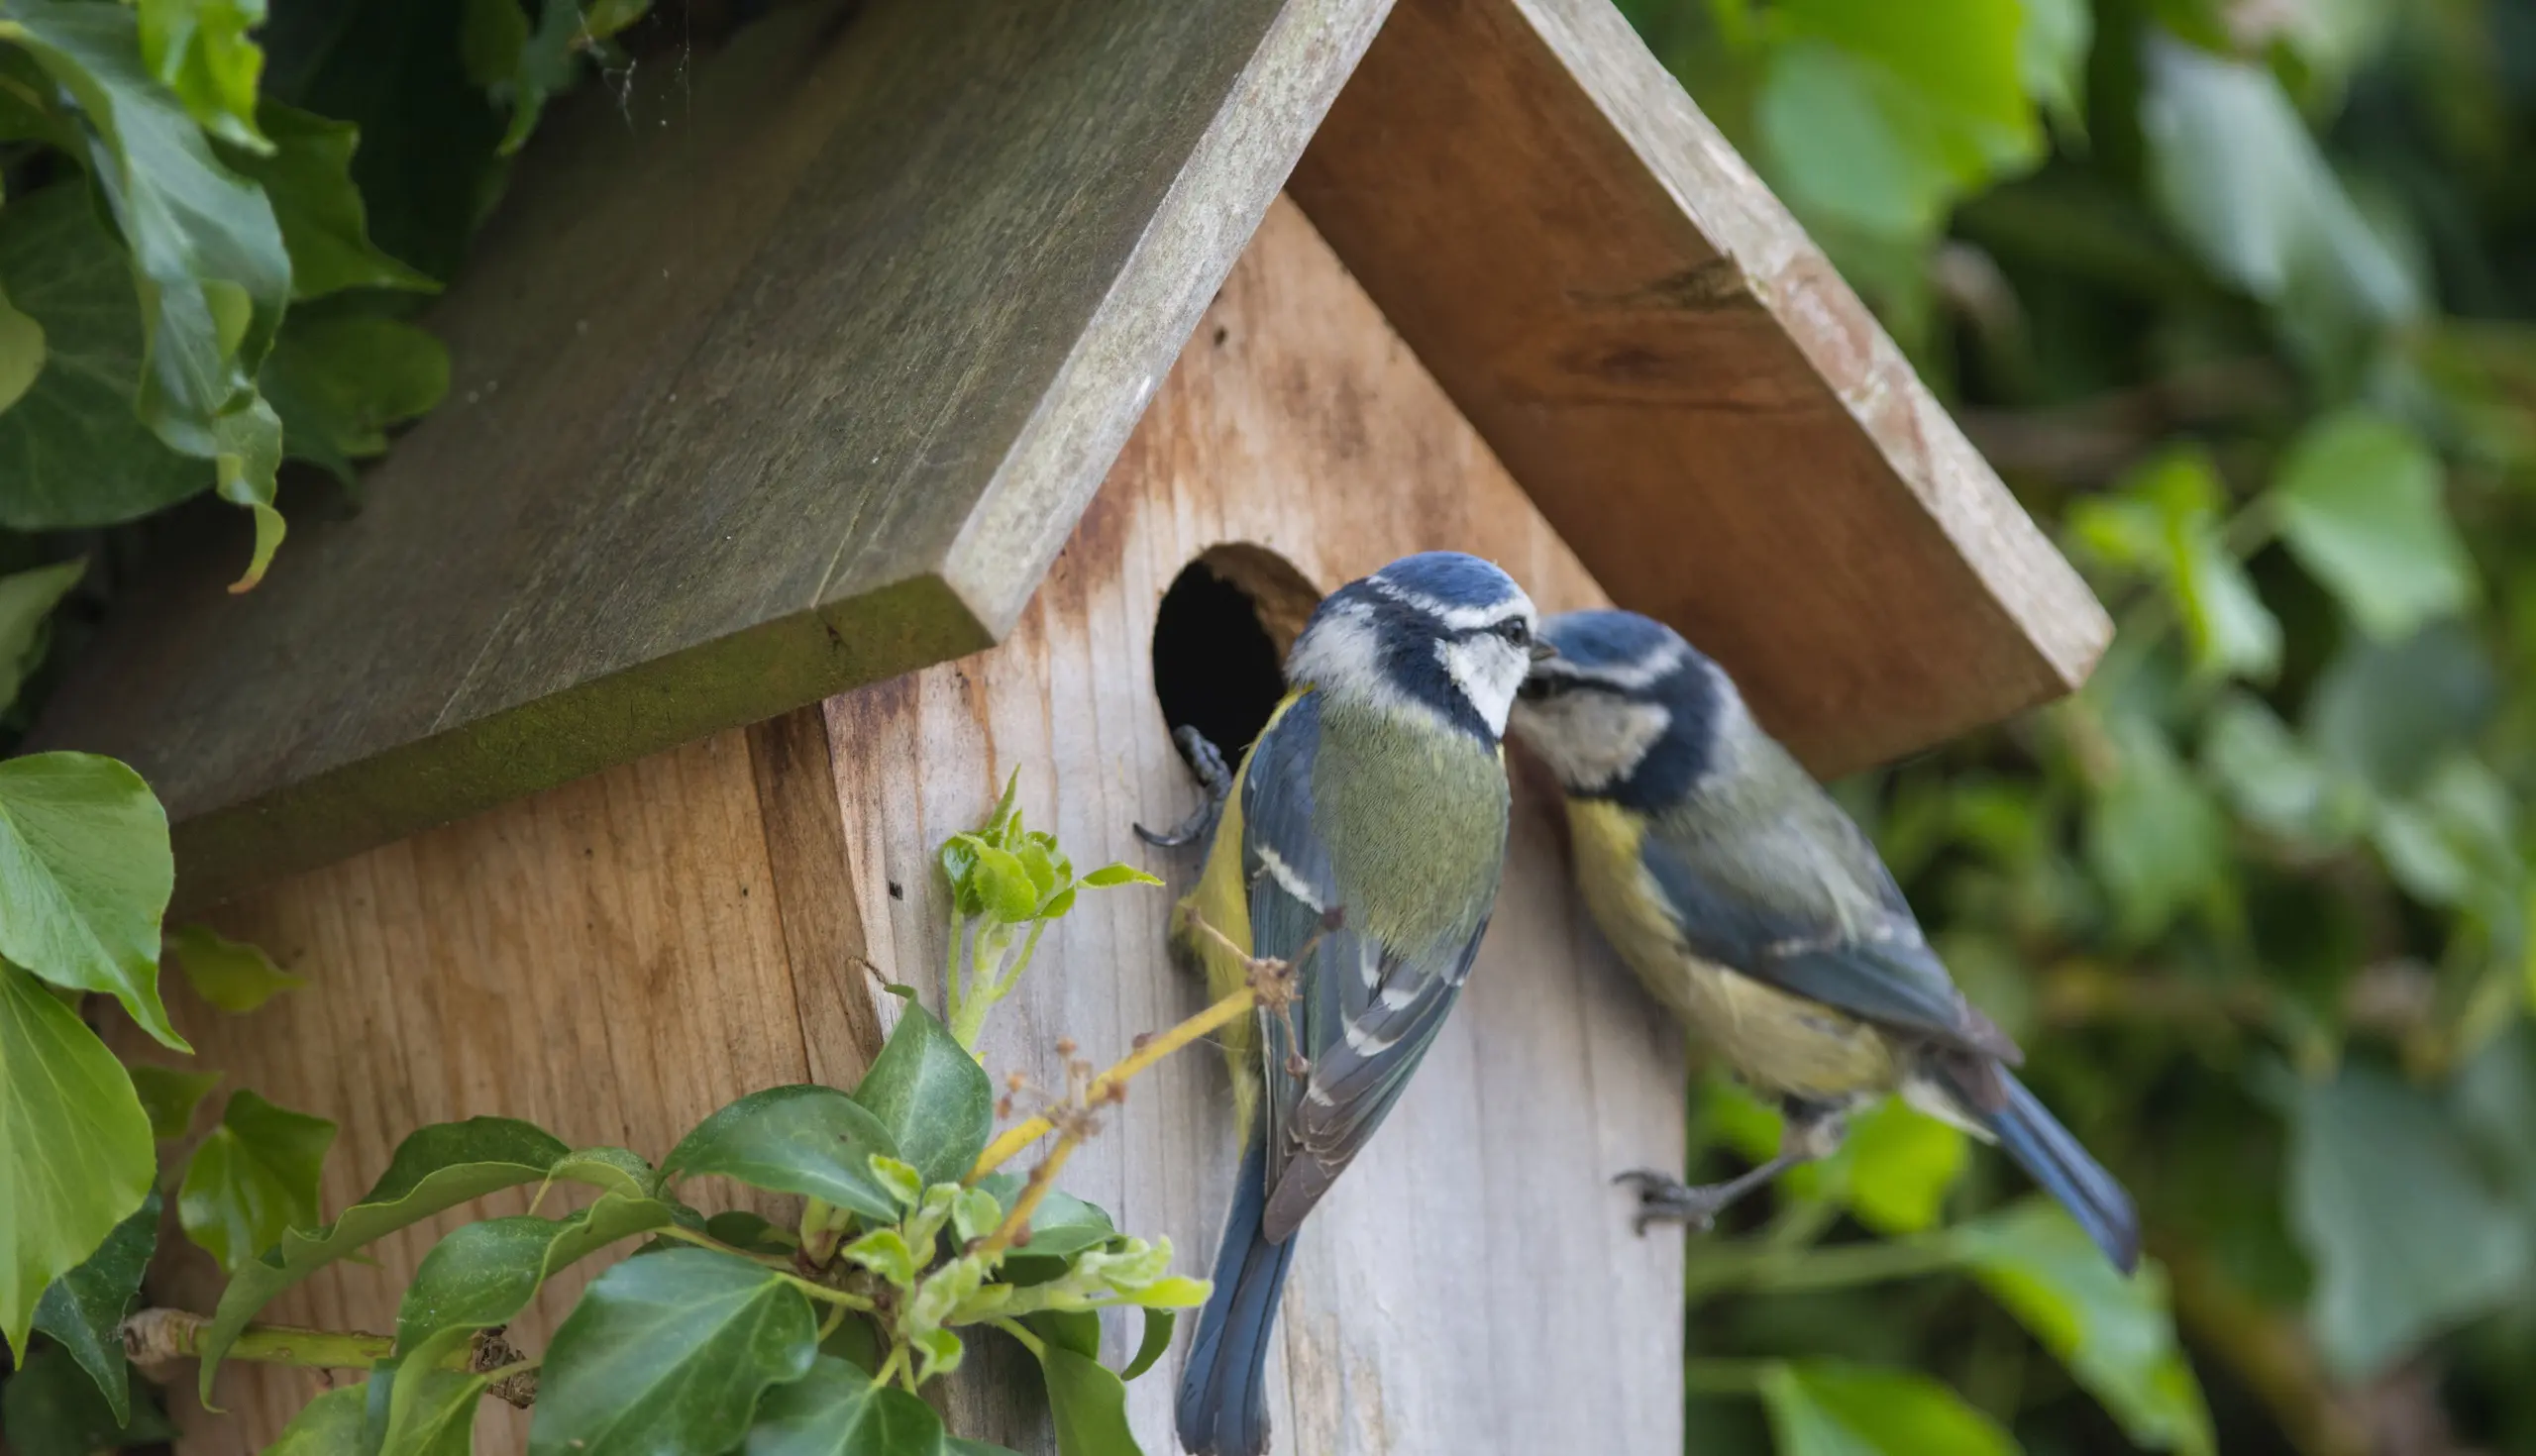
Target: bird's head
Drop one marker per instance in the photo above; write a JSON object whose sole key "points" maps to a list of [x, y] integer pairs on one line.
{"points": [[1439, 635], [1625, 709]]}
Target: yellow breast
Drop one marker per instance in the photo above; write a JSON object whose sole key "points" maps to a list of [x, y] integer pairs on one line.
{"points": [[1780, 1043]]}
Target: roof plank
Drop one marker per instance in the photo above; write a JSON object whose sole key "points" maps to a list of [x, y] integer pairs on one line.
{"points": [[1688, 391], [768, 382]]}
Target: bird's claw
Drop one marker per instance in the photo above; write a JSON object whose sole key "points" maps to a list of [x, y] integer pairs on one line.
{"points": [[1664, 1199], [1215, 781]]}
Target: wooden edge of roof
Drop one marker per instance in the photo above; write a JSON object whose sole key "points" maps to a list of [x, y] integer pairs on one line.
{"points": [[1691, 394], [923, 266]]}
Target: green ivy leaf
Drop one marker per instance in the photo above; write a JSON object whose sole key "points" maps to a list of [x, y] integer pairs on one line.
{"points": [[2362, 506], [885, 1252], [1896, 1166], [609, 1170], [2408, 1234], [72, 452], [2389, 714], [439, 1167], [542, 67], [339, 380], [1109, 875], [2154, 838], [2165, 520], [931, 1096], [75, 1155], [1155, 1344], [21, 351], [976, 1213], [169, 1096], [51, 1407], [1062, 1226], [199, 50], [1832, 1408], [669, 1353], [396, 71], [27, 600], [329, 1426], [429, 1410], [1088, 1403], [2052, 59], [1849, 143], [84, 876], [2273, 781], [1879, 122], [308, 178], [2455, 840], [836, 1411], [804, 1139], [206, 254], [1004, 890], [231, 975], [2114, 1334], [2234, 169], [252, 1179], [484, 1274], [83, 1311]]}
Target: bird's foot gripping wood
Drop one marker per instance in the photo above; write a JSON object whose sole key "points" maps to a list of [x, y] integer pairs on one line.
{"points": [[1812, 1134], [1214, 779]]}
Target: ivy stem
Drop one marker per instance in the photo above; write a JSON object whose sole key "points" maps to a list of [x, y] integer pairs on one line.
{"points": [[1042, 1179], [773, 1264], [708, 1242], [890, 1367], [1030, 1343], [1023, 1136], [1778, 1271], [153, 1336]]}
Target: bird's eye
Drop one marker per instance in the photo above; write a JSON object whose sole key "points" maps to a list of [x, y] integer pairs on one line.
{"points": [[1516, 630]]}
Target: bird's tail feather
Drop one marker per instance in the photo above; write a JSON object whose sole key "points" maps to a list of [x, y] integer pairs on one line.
{"points": [[1223, 1396], [2053, 1157]]}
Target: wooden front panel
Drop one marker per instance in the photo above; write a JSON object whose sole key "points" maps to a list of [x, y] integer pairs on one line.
{"points": [[606, 960], [618, 957], [1472, 1284]]}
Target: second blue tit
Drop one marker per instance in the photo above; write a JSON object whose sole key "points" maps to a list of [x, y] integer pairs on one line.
{"points": [[1362, 841], [1753, 907]]}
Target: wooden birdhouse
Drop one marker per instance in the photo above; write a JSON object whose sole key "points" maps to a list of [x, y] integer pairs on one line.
{"points": [[912, 392]]}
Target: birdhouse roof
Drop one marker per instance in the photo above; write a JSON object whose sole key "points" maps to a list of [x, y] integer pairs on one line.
{"points": [[792, 372]]}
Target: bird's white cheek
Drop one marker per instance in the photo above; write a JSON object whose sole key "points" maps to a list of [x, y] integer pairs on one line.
{"points": [[1487, 670]]}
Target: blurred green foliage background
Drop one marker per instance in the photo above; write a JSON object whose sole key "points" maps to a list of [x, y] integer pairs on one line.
{"points": [[2237, 295]]}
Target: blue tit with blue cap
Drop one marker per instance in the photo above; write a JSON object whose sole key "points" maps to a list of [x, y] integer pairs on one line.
{"points": [[1361, 841], [1756, 909]]}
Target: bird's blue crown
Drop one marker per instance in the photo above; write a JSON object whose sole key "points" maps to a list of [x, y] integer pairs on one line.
{"points": [[1442, 632], [1640, 661]]}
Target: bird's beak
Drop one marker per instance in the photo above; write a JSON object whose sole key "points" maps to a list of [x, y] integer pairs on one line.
{"points": [[1542, 651]]}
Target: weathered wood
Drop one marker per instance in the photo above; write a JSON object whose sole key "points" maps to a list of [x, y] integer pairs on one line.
{"points": [[618, 956], [778, 374], [606, 960], [1693, 398], [1472, 1284]]}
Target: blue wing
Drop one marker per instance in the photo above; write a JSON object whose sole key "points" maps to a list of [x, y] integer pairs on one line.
{"points": [[1803, 905], [1366, 1013]]}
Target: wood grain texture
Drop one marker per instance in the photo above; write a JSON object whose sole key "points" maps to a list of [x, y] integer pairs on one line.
{"points": [[1691, 395], [606, 960], [778, 374], [1472, 1284], [617, 957]]}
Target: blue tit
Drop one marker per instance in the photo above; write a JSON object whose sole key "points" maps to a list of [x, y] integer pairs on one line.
{"points": [[1361, 839], [1755, 910]]}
